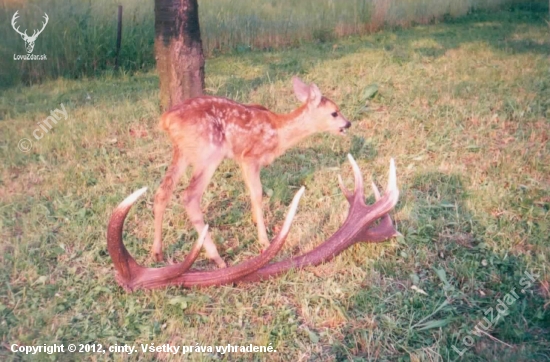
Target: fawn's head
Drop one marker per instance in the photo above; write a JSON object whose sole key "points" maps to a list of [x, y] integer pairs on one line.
{"points": [[323, 114]]}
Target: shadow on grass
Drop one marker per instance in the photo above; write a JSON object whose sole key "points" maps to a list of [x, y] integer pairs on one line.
{"points": [[499, 30], [445, 254], [496, 29], [74, 94]]}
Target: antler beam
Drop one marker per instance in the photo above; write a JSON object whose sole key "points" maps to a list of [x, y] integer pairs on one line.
{"points": [[358, 227]]}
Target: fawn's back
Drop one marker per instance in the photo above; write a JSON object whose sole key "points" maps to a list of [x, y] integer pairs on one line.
{"points": [[243, 131], [237, 130]]}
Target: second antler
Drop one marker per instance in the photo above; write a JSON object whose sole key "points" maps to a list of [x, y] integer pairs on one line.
{"points": [[358, 226]]}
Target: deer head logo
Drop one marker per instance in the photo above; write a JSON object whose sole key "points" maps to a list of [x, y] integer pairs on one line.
{"points": [[29, 40]]}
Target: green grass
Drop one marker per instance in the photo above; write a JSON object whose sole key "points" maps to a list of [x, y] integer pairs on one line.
{"points": [[80, 37], [463, 107]]}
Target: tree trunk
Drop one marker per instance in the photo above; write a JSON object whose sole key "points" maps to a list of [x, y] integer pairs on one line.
{"points": [[178, 51]]}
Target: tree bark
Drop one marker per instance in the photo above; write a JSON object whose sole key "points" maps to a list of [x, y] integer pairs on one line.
{"points": [[178, 51]]}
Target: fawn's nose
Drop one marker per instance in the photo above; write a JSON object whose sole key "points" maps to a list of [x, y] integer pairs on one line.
{"points": [[348, 124]]}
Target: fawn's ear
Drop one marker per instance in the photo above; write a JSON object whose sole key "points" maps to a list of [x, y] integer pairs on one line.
{"points": [[314, 95], [301, 90]]}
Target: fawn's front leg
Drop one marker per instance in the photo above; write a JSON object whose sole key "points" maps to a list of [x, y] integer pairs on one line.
{"points": [[251, 173]]}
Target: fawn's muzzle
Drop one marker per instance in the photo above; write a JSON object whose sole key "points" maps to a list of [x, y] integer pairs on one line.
{"points": [[346, 126]]}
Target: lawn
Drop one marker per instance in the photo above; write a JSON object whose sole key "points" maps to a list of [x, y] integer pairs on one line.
{"points": [[462, 106]]}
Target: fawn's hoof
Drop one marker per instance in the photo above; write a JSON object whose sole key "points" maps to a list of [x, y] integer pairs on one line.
{"points": [[264, 243], [157, 256], [221, 264]]}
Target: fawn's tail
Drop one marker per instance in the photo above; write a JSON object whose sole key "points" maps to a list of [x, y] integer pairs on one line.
{"points": [[164, 123]]}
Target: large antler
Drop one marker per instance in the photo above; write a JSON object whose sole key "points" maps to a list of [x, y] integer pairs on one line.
{"points": [[131, 275], [357, 227]]}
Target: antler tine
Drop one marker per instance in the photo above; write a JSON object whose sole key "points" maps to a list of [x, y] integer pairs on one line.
{"points": [[375, 191], [123, 261], [283, 233], [345, 191], [392, 189], [195, 250], [392, 184], [358, 192]]}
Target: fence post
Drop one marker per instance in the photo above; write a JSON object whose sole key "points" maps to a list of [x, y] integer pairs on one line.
{"points": [[118, 35]]}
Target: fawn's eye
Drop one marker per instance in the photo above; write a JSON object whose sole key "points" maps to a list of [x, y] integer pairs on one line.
{"points": [[334, 114]]}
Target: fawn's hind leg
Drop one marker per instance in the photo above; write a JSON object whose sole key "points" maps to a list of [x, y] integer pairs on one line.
{"points": [[202, 174], [162, 196]]}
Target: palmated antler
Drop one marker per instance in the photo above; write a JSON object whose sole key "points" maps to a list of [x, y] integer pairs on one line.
{"points": [[357, 227]]}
